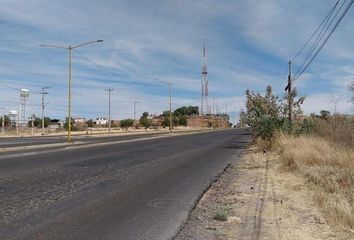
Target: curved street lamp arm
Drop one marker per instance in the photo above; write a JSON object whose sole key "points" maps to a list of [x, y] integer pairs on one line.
{"points": [[87, 43]]}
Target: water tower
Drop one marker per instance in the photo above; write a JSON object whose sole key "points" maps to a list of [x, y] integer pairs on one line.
{"points": [[13, 118], [24, 95]]}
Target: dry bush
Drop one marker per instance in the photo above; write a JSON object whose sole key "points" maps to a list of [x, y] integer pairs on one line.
{"points": [[263, 145], [330, 168], [337, 129]]}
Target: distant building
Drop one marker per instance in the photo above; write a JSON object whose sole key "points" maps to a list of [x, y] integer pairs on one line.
{"points": [[79, 120], [80, 123], [54, 124], [61, 123], [101, 121]]}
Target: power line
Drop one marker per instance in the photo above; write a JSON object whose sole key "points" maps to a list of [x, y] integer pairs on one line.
{"points": [[301, 70], [313, 34], [319, 37]]}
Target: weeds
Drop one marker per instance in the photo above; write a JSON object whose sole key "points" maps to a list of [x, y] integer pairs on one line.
{"points": [[330, 168], [221, 214]]}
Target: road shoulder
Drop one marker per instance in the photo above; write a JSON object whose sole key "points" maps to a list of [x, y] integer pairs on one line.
{"points": [[261, 202]]}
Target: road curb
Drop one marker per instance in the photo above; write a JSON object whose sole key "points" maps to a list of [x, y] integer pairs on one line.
{"points": [[196, 202]]}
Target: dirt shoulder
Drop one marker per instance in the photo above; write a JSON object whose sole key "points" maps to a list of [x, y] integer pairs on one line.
{"points": [[261, 202]]}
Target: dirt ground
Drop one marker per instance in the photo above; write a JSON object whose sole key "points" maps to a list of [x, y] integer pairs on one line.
{"points": [[262, 202]]}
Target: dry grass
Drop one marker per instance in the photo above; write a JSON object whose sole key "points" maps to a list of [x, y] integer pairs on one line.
{"points": [[328, 167], [337, 129]]}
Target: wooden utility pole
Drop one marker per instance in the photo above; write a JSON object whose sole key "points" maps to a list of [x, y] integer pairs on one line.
{"points": [[44, 92], [170, 93], [290, 95]]}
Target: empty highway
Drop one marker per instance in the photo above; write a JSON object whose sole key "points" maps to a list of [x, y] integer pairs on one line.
{"points": [[133, 190]]}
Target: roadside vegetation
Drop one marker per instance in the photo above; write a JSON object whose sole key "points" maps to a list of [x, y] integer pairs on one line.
{"points": [[318, 147], [221, 214]]}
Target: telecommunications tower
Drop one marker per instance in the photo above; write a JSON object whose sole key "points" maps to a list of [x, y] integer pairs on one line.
{"points": [[204, 107]]}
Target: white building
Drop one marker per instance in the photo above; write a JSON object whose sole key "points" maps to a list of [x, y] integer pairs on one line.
{"points": [[101, 121]]}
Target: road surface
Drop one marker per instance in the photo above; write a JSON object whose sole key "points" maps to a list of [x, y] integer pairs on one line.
{"points": [[133, 190], [8, 142]]}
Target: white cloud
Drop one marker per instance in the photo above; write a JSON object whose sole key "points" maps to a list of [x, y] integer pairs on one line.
{"points": [[247, 42]]}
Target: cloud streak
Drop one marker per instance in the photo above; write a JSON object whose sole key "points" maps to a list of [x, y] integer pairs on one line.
{"points": [[248, 44]]}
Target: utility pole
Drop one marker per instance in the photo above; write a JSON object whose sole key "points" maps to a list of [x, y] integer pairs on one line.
{"points": [[3, 122], [32, 122], [109, 90], [290, 95], [135, 102], [44, 92], [170, 92]]}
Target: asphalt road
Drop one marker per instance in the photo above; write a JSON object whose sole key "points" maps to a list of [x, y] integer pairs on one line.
{"points": [[134, 190], [7, 142]]}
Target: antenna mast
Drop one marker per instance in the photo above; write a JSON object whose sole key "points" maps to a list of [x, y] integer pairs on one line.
{"points": [[204, 105]]}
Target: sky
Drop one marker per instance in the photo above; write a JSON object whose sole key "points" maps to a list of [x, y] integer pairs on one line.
{"points": [[249, 44]]}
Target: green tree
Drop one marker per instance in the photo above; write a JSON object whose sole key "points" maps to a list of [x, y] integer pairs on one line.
{"points": [[6, 120], [166, 121], [145, 121], [89, 123], [264, 114], [37, 122], [182, 120], [126, 123], [187, 110]]}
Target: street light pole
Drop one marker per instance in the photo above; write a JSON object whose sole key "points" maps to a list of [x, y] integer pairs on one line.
{"points": [[135, 102], [69, 95], [109, 90], [170, 92], [170, 96], [44, 92], [70, 48]]}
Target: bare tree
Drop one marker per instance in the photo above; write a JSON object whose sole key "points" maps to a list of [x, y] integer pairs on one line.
{"points": [[351, 88], [335, 100]]}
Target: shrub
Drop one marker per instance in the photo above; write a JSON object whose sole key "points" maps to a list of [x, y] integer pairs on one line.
{"points": [[182, 120], [126, 123], [145, 121], [306, 127], [221, 215]]}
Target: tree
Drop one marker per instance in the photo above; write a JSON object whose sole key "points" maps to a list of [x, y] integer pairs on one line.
{"points": [[325, 114], [263, 113], [243, 118], [89, 123], [126, 123], [72, 127], [145, 121], [187, 110], [296, 106], [182, 120], [6, 120], [37, 122], [351, 88]]}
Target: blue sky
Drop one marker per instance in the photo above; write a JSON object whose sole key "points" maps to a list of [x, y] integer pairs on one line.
{"points": [[248, 45]]}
